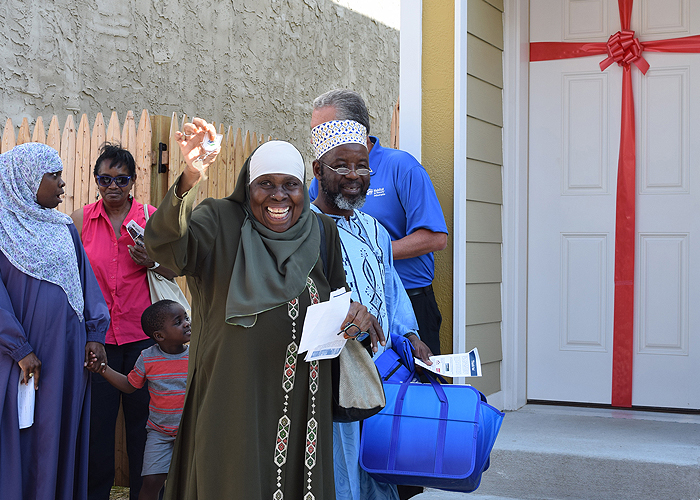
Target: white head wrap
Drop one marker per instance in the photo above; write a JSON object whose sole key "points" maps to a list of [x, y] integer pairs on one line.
{"points": [[334, 133], [277, 157]]}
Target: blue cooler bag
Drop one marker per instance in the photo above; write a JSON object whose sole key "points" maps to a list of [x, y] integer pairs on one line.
{"points": [[431, 435]]}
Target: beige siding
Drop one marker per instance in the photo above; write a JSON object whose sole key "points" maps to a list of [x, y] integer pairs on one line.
{"points": [[485, 101], [487, 337], [483, 222], [484, 182], [484, 187], [485, 141], [483, 263], [485, 22], [483, 303], [484, 60]]}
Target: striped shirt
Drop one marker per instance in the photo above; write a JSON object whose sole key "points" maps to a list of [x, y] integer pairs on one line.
{"points": [[167, 378]]}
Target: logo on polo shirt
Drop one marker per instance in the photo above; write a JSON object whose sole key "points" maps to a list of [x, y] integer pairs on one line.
{"points": [[376, 192]]}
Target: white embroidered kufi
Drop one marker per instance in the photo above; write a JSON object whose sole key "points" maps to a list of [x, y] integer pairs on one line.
{"points": [[329, 135], [277, 157]]}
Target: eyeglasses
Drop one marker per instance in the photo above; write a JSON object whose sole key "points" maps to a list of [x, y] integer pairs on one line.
{"points": [[354, 332], [120, 180], [342, 170]]}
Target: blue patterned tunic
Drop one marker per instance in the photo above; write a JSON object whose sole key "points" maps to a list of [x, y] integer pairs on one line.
{"points": [[370, 273]]}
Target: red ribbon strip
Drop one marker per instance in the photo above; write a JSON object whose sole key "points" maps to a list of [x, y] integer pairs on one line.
{"points": [[625, 50]]}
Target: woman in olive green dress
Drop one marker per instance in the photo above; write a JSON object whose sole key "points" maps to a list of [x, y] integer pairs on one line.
{"points": [[257, 417]]}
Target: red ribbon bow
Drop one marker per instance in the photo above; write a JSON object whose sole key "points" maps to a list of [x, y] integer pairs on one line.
{"points": [[624, 49]]}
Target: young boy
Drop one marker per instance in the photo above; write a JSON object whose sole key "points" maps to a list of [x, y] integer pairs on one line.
{"points": [[164, 365]]}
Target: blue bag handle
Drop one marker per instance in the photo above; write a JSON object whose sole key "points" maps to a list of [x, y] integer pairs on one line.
{"points": [[442, 426], [404, 349]]}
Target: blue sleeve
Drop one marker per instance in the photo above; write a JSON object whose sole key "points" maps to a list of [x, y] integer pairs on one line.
{"points": [[13, 341], [420, 201], [399, 309], [313, 189], [96, 313]]}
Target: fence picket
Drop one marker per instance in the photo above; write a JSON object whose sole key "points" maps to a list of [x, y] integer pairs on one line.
{"points": [[54, 137], [230, 160], [82, 163], [98, 139], [142, 187], [181, 164], [224, 157], [23, 137], [68, 159], [173, 151], [212, 176], [39, 134], [215, 170], [247, 147], [239, 154], [113, 134], [8, 137], [129, 133]]}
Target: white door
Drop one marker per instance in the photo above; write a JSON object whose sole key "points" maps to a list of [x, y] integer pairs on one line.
{"points": [[574, 147]]}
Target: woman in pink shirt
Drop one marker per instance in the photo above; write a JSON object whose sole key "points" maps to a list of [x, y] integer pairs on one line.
{"points": [[120, 267]]}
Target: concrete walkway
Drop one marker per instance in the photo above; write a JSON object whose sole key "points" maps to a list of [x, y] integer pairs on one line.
{"points": [[555, 452]]}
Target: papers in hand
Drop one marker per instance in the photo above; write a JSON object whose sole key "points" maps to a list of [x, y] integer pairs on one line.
{"points": [[321, 326], [25, 402], [136, 233], [455, 365]]}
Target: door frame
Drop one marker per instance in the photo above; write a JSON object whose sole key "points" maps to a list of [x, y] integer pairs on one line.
{"points": [[516, 58]]}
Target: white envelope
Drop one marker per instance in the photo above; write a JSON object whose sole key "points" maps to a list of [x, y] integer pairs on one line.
{"points": [[25, 402]]}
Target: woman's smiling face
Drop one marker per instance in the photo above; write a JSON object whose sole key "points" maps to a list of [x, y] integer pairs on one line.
{"points": [[277, 200]]}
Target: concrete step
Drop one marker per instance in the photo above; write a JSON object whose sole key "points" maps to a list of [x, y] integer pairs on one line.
{"points": [[556, 452]]}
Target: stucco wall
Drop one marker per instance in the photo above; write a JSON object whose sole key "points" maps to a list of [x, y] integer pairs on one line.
{"points": [[256, 64]]}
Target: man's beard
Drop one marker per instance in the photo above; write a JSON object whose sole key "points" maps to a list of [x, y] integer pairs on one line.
{"points": [[341, 202]]}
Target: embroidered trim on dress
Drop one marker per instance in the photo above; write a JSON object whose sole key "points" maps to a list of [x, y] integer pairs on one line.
{"points": [[284, 423]]}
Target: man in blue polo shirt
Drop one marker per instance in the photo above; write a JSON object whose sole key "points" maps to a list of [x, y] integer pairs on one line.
{"points": [[402, 197]]}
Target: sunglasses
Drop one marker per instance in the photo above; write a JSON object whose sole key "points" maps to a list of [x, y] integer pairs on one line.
{"points": [[120, 180]]}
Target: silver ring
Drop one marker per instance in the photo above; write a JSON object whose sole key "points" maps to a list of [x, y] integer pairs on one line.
{"points": [[102, 364]]}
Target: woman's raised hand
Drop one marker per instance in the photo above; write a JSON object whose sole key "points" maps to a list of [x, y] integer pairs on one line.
{"points": [[197, 158]]}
